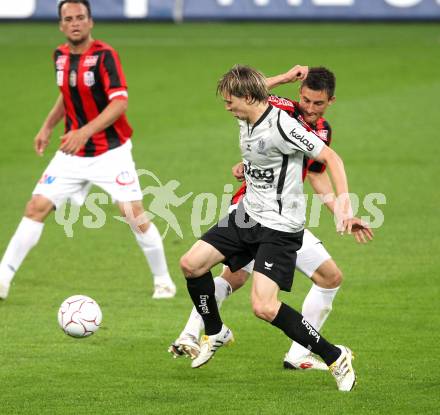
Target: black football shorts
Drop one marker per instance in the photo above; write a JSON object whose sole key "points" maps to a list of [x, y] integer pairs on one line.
{"points": [[274, 251]]}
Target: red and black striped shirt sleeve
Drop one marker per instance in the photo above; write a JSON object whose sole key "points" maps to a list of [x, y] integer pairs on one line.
{"points": [[324, 132], [112, 75]]}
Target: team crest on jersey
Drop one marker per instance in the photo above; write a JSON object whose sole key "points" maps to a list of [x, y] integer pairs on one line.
{"points": [[61, 62], [72, 78], [89, 78], [90, 61], [261, 147], [323, 134], [60, 78]]}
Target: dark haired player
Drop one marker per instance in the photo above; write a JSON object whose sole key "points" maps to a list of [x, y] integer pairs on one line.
{"points": [[95, 149]]}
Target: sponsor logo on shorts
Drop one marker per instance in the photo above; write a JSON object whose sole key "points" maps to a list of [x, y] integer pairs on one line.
{"points": [[203, 304], [267, 175], [125, 178], [300, 137], [90, 60], [311, 330], [89, 78], [268, 265], [46, 179]]}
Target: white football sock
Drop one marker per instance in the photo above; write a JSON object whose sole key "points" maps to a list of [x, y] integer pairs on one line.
{"points": [[222, 290], [195, 324], [25, 238], [152, 247], [316, 308]]}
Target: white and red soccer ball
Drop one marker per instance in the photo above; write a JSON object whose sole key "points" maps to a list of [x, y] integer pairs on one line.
{"points": [[79, 316]]}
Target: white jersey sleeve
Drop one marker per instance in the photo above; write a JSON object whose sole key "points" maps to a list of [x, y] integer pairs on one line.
{"points": [[294, 137]]}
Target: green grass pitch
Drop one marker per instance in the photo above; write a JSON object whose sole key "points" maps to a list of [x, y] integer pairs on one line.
{"points": [[386, 128]]}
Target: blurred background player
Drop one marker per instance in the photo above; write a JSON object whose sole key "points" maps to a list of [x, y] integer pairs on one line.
{"points": [[316, 94], [95, 149]]}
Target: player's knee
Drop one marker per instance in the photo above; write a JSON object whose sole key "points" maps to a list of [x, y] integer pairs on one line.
{"points": [[330, 279], [264, 311], [185, 265], [38, 208], [335, 278], [235, 279], [240, 277], [189, 268], [135, 216], [141, 227]]}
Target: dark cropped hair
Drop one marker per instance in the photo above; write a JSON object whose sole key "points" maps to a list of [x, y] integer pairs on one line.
{"points": [[320, 79], [85, 2], [244, 81]]}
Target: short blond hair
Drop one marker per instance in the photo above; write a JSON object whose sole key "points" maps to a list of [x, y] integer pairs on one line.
{"points": [[244, 82]]}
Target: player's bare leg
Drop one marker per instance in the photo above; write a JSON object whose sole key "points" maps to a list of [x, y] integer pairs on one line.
{"points": [[24, 239], [150, 242], [316, 308], [237, 279], [188, 341], [196, 265]]}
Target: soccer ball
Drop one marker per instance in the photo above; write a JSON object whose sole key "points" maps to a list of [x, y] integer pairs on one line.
{"points": [[79, 316]]}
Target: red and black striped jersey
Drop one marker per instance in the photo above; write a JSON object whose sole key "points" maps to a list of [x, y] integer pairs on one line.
{"points": [[88, 82], [322, 129]]}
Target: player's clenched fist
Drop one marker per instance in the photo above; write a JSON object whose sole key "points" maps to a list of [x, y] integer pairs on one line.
{"points": [[73, 141]]}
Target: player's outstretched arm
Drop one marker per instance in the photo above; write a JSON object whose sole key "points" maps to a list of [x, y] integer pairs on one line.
{"points": [[323, 187], [297, 73], [41, 140], [75, 139], [342, 210]]}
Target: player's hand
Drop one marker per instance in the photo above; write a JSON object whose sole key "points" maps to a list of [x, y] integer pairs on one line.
{"points": [[361, 231], [73, 141], [344, 225], [352, 225], [238, 171], [41, 141], [297, 73]]}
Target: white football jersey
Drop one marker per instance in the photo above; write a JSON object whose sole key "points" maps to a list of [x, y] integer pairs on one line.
{"points": [[273, 150]]}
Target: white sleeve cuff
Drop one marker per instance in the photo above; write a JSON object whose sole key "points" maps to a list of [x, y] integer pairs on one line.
{"points": [[117, 94]]}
